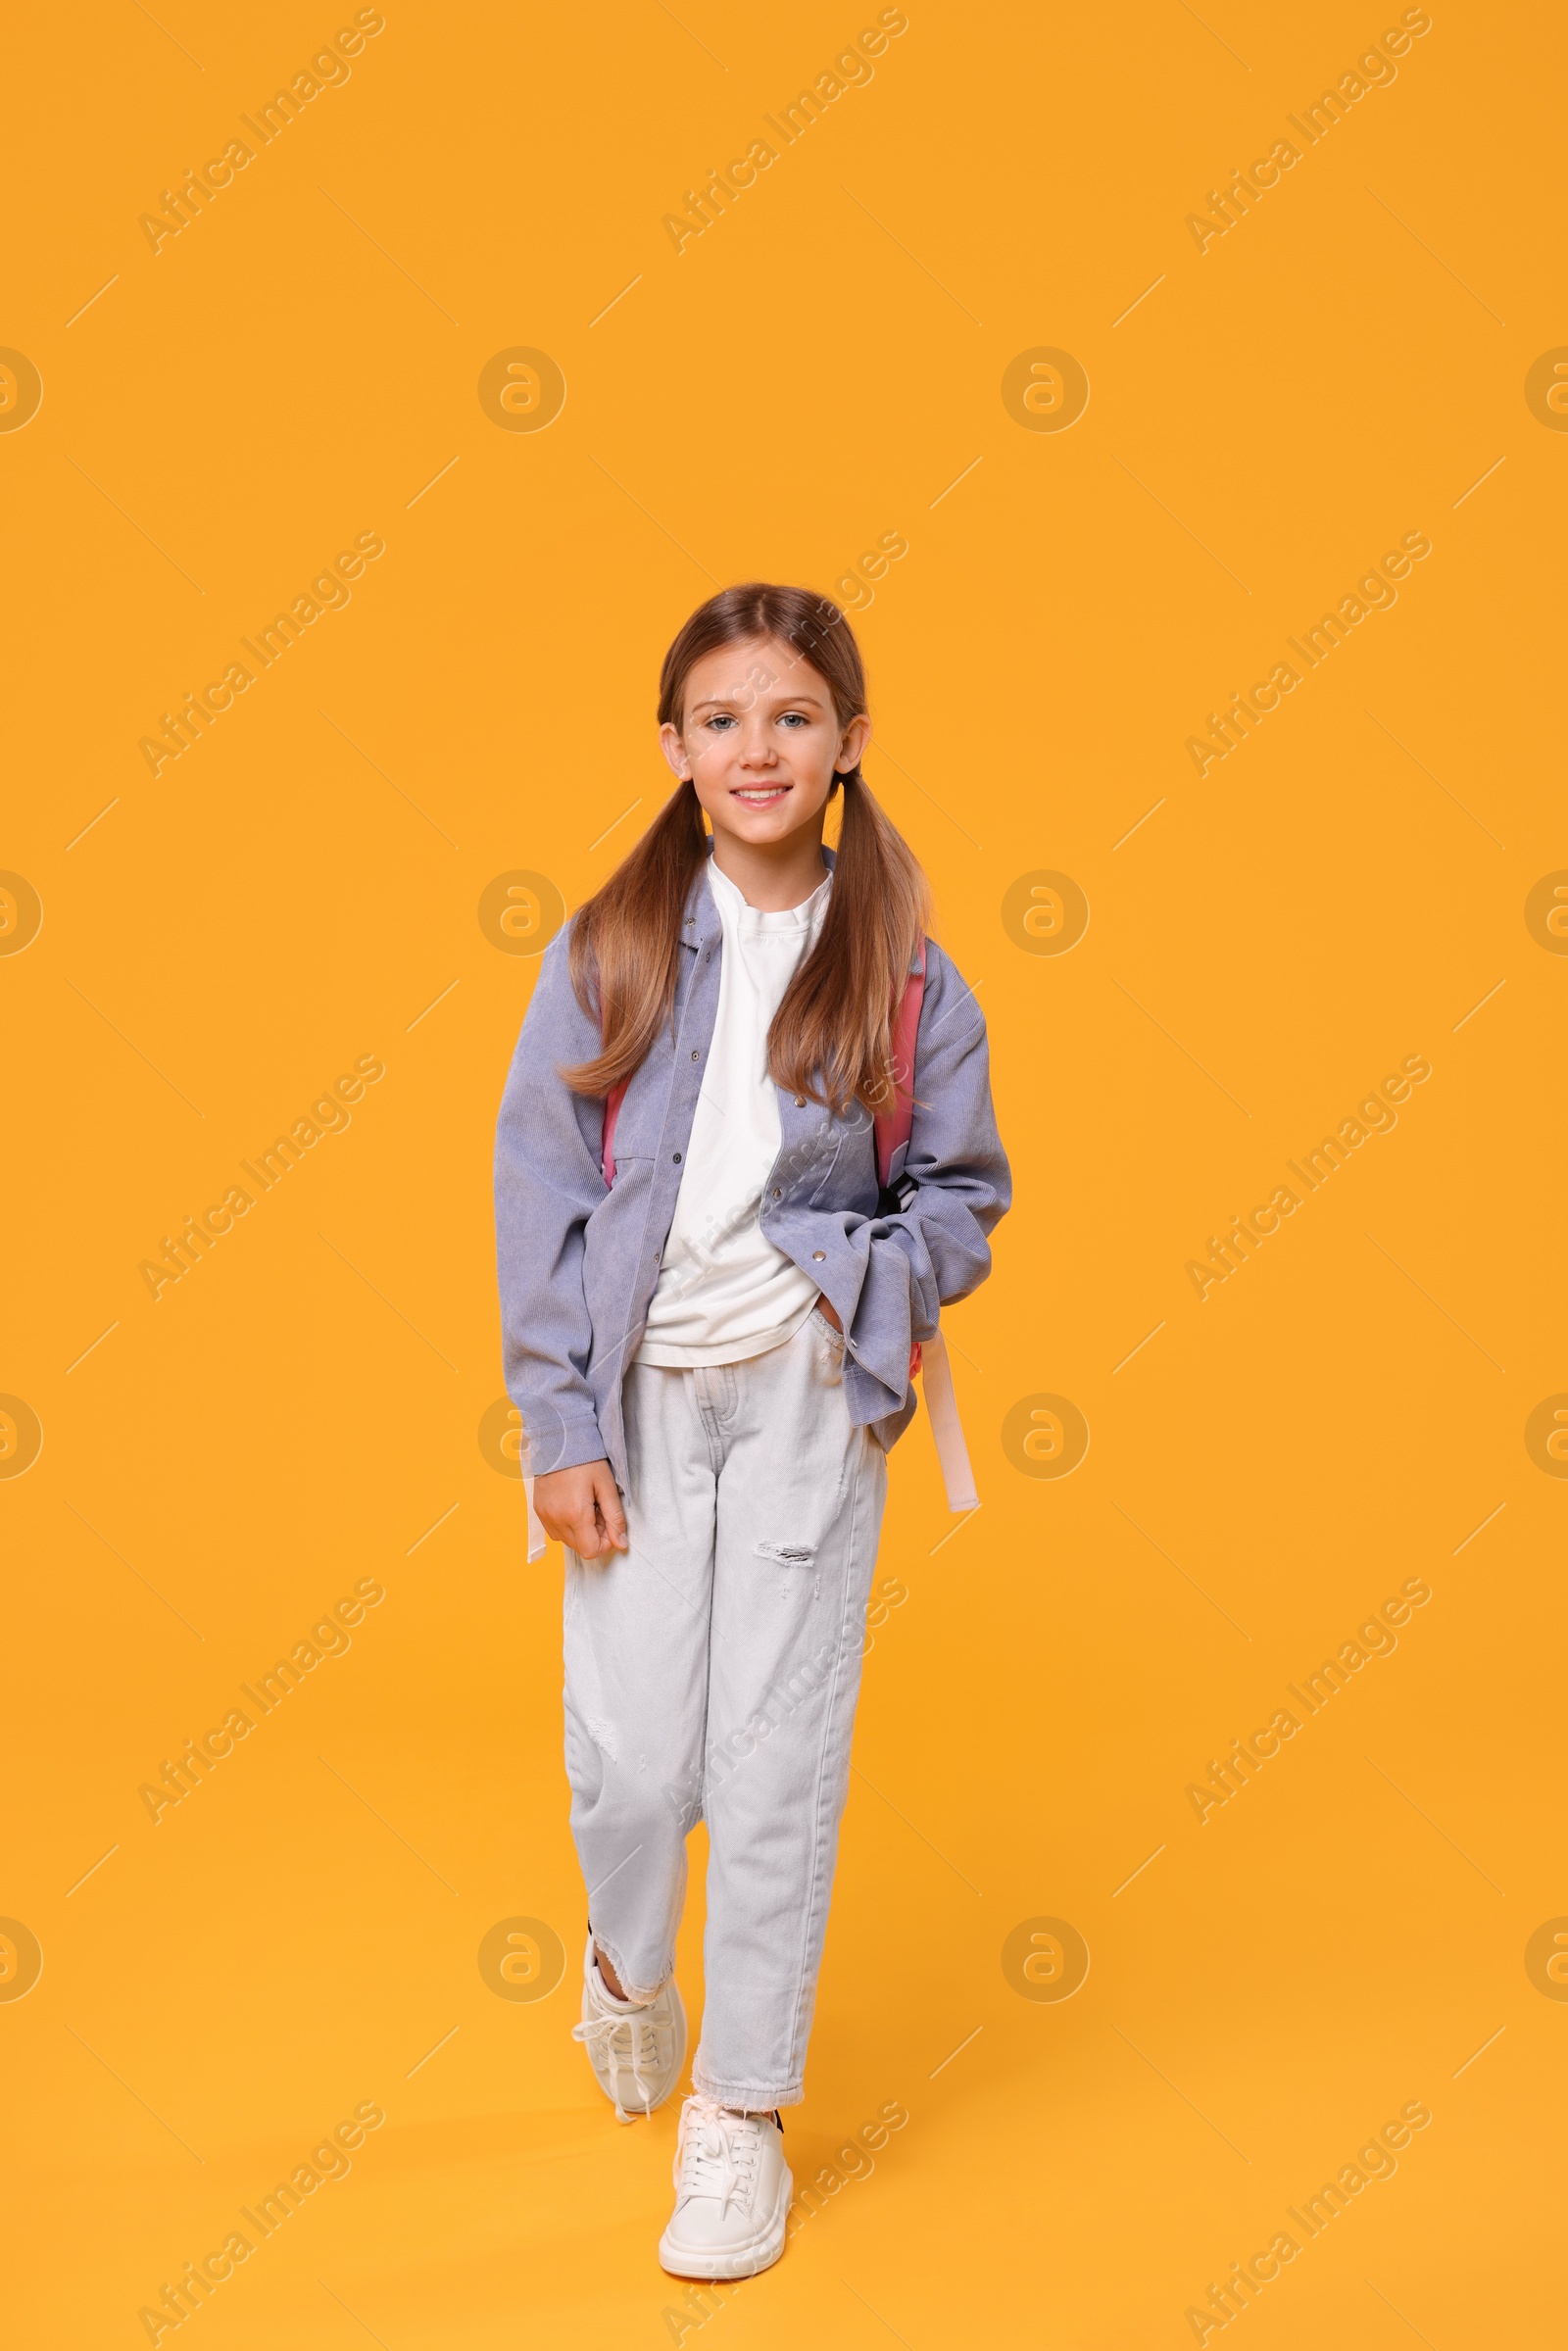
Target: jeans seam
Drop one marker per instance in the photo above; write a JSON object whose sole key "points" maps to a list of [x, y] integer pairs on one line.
{"points": [[716, 1454], [754, 2095], [706, 1417], [806, 1977]]}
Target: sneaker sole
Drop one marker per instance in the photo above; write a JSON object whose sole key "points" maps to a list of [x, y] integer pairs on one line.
{"points": [[731, 2261]]}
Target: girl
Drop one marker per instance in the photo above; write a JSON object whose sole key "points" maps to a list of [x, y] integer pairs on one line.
{"points": [[707, 1307]]}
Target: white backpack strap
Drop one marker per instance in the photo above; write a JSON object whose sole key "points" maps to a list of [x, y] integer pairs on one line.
{"points": [[536, 1533], [946, 1427]]}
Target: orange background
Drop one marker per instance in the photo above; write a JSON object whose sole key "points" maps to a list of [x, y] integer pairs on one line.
{"points": [[301, 888]]}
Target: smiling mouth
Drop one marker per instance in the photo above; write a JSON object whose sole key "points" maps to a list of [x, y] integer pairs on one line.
{"points": [[759, 794]]}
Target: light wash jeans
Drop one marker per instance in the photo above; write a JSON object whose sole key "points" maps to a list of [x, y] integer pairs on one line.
{"points": [[712, 1673]]}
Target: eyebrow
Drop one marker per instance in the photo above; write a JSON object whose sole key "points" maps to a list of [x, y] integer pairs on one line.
{"points": [[718, 702]]}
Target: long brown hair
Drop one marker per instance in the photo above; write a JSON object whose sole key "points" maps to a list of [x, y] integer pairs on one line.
{"points": [[831, 1037]]}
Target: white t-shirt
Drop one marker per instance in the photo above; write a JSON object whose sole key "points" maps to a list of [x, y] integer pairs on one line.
{"points": [[725, 1291]]}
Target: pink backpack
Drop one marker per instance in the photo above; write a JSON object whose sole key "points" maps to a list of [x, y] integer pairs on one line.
{"points": [[892, 1128]]}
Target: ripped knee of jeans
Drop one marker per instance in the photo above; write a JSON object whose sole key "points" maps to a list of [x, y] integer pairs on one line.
{"points": [[603, 1735], [788, 1554]]}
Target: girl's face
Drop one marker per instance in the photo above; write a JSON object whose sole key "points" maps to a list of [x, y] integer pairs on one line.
{"points": [[761, 740]]}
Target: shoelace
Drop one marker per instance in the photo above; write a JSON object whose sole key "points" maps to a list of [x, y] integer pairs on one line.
{"points": [[717, 2152], [618, 2041]]}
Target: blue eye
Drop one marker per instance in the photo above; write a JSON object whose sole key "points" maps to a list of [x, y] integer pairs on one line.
{"points": [[720, 721], [794, 718]]}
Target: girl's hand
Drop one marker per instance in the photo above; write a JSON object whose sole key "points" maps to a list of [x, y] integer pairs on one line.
{"points": [[581, 1507], [825, 1309]]}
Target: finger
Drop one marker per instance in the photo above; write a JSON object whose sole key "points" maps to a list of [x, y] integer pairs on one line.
{"points": [[611, 1512]]}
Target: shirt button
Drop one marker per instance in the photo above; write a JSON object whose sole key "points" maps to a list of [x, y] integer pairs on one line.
{"points": [[676, 1156], [696, 1057], [778, 1196], [817, 1255], [800, 1101]]}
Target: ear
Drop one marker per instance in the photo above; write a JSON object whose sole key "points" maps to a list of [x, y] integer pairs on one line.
{"points": [[675, 751], [856, 735]]}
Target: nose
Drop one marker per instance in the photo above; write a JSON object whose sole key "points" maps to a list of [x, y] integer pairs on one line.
{"points": [[757, 749]]}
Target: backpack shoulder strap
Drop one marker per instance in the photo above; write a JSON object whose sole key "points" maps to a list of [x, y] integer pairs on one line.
{"points": [[613, 1103], [893, 1126]]}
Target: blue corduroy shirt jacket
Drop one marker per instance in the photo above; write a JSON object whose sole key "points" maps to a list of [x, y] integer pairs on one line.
{"points": [[579, 1264]]}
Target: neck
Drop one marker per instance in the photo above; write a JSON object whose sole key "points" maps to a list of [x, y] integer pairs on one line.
{"points": [[773, 875]]}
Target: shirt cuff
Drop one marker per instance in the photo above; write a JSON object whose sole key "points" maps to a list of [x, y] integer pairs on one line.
{"points": [[553, 1444]]}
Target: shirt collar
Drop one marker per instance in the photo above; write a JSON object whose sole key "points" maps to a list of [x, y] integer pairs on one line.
{"points": [[701, 926]]}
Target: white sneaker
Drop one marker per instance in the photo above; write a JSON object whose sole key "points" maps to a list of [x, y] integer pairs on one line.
{"points": [[637, 2054], [732, 2193]]}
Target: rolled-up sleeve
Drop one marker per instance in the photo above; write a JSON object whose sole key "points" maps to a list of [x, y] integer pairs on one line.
{"points": [[548, 1182]]}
